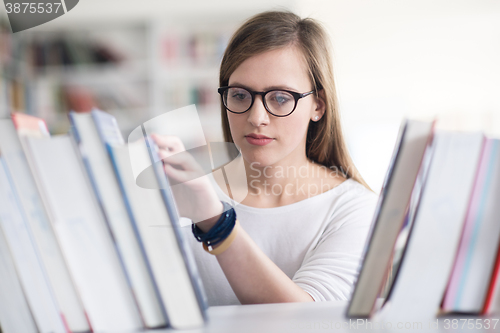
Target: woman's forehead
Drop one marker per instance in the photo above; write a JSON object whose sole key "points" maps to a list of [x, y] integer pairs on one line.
{"points": [[280, 68]]}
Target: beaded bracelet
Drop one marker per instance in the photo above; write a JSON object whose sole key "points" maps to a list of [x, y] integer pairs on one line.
{"points": [[220, 231]]}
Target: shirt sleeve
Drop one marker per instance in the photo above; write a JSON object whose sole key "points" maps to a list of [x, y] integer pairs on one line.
{"points": [[330, 268]]}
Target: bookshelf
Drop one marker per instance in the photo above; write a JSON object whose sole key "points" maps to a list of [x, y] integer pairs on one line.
{"points": [[52, 71], [13, 86], [157, 69]]}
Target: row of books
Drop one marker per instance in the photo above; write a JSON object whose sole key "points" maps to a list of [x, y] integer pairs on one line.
{"points": [[70, 51], [15, 94], [47, 73], [436, 229], [4, 41], [50, 99], [187, 94], [122, 95], [61, 50], [197, 48], [82, 247]]}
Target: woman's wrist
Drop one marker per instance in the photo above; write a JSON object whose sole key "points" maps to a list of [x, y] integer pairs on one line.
{"points": [[221, 232], [207, 224]]}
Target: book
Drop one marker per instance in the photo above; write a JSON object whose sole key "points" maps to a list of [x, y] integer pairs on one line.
{"points": [[59, 276], [83, 235], [413, 140], [174, 217], [32, 276], [29, 125], [92, 130], [492, 302], [435, 233], [408, 221], [15, 315], [475, 259], [172, 264]]}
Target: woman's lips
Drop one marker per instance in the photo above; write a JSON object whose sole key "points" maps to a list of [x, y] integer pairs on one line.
{"points": [[258, 140]]}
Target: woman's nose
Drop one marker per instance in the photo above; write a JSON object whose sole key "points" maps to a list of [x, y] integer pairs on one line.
{"points": [[258, 115]]}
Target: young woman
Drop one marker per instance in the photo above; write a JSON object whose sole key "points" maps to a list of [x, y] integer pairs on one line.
{"points": [[303, 224]]}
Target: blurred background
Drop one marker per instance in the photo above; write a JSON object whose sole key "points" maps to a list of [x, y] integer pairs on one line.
{"points": [[138, 59]]}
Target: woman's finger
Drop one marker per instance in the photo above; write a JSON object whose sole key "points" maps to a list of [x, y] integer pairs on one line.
{"points": [[182, 160], [174, 173], [182, 167], [180, 175], [163, 154], [170, 143]]}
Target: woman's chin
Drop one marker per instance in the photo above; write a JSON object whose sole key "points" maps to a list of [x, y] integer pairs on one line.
{"points": [[258, 161]]}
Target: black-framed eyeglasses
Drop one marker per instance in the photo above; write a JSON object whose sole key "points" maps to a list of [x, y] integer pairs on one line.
{"points": [[278, 102]]}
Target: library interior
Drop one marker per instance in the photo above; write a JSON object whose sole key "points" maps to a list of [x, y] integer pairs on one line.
{"points": [[418, 93]]}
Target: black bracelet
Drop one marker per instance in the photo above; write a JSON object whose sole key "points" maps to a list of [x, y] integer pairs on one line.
{"points": [[220, 230]]}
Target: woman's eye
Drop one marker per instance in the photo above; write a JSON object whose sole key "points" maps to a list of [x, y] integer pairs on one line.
{"points": [[239, 96], [281, 99]]}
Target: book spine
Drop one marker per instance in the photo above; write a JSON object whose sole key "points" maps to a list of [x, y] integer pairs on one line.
{"points": [[33, 277], [135, 228], [172, 211]]}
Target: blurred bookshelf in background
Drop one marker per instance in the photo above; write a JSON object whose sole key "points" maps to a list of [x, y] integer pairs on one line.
{"points": [[49, 73], [133, 70], [187, 53]]}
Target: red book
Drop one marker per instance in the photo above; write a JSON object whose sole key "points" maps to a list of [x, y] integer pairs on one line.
{"points": [[29, 125], [492, 302]]}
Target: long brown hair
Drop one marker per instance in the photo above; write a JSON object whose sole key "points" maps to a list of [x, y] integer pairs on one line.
{"points": [[272, 30]]}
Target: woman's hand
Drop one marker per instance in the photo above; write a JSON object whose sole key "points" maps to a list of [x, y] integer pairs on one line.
{"points": [[193, 192]]}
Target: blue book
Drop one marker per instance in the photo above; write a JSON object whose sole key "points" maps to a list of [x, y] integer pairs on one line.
{"points": [[148, 213], [174, 270], [168, 199], [107, 127], [88, 130], [147, 294]]}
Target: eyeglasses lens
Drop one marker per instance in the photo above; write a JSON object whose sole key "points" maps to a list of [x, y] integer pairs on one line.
{"points": [[237, 99], [280, 102]]}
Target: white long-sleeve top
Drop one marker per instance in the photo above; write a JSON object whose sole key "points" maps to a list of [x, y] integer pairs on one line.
{"points": [[317, 242]]}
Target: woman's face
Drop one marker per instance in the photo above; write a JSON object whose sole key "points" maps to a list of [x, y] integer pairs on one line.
{"points": [[286, 69]]}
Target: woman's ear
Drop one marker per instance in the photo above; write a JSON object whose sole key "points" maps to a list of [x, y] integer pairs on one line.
{"points": [[320, 102]]}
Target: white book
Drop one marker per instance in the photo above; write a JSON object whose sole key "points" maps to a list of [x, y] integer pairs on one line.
{"points": [[107, 189], [26, 258], [15, 315], [48, 248], [160, 242], [413, 140], [479, 245], [435, 235], [39, 220], [83, 235]]}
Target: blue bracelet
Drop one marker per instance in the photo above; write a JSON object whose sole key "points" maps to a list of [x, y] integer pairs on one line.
{"points": [[220, 230]]}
